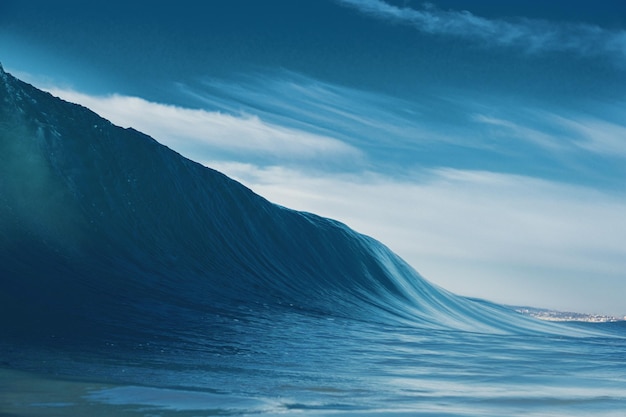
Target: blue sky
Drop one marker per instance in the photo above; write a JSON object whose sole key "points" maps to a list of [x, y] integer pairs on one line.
{"points": [[483, 141]]}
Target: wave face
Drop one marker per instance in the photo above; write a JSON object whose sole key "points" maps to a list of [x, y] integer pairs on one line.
{"points": [[179, 289], [104, 224]]}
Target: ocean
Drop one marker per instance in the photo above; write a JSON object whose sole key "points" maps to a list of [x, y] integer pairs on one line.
{"points": [[289, 363], [136, 282]]}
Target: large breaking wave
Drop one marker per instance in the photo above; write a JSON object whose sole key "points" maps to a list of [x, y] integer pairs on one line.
{"points": [[161, 287], [105, 230]]}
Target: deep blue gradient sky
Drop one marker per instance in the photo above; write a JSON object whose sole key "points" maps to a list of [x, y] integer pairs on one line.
{"points": [[483, 141]]}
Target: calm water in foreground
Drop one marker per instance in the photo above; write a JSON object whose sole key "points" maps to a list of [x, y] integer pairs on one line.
{"points": [[314, 366]]}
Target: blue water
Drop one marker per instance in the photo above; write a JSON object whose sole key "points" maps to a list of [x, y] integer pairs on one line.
{"points": [[319, 366], [136, 282]]}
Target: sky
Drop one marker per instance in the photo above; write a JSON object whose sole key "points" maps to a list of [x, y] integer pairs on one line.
{"points": [[482, 141]]}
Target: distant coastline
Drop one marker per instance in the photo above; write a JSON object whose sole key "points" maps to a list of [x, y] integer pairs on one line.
{"points": [[554, 315]]}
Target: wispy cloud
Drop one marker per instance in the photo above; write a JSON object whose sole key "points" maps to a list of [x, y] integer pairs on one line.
{"points": [[529, 34], [510, 129], [197, 133], [557, 132], [596, 135], [354, 115]]}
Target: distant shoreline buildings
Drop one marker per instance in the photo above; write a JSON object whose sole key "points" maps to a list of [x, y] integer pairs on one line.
{"points": [[552, 315]]}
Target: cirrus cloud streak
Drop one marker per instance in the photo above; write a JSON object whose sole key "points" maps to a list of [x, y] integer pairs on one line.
{"points": [[531, 35], [193, 131]]}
